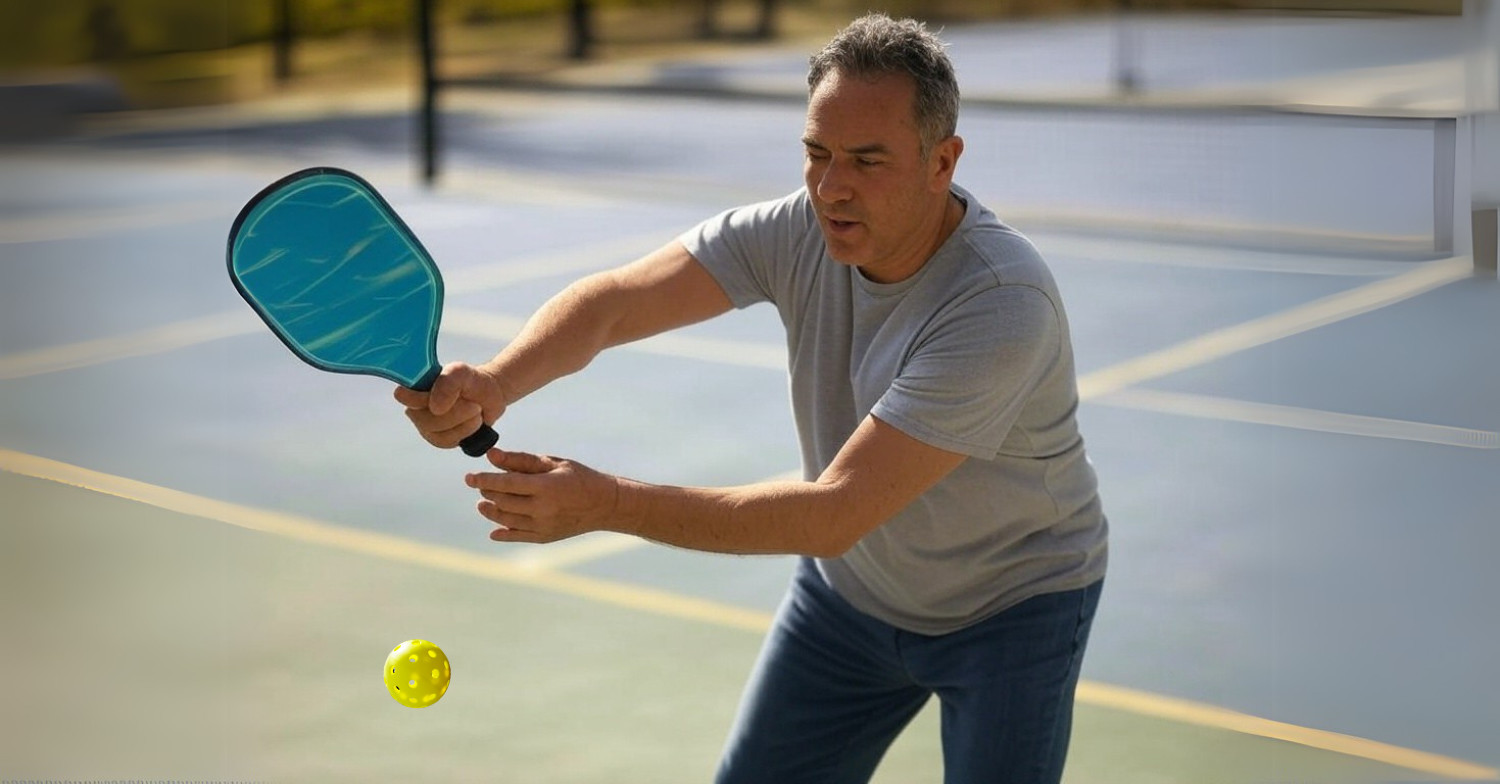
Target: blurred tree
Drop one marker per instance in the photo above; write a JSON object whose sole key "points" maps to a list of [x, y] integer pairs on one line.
{"points": [[765, 26], [106, 37], [281, 41], [708, 19], [580, 29]]}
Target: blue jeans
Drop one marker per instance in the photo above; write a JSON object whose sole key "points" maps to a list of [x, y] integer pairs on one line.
{"points": [[834, 687]]}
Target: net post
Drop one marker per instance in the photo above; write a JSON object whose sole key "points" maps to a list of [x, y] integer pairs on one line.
{"points": [[281, 42], [1486, 237], [427, 111], [580, 29], [1444, 185]]}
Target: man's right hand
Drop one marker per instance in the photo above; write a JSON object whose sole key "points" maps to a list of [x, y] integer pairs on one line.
{"points": [[461, 399]]}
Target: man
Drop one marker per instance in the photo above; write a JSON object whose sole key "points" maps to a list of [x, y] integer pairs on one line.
{"points": [[952, 535]]}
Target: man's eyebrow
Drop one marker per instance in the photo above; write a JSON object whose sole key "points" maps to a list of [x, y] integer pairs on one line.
{"points": [[864, 149]]}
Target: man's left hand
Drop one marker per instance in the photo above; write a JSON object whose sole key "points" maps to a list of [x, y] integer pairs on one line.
{"points": [[539, 499]]}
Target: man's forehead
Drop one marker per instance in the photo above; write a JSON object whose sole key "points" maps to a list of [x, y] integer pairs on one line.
{"points": [[888, 88], [856, 111]]}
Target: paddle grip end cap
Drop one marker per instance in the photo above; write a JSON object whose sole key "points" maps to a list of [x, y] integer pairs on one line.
{"points": [[479, 441]]}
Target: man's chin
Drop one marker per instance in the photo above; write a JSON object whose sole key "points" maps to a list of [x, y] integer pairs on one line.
{"points": [[841, 253]]}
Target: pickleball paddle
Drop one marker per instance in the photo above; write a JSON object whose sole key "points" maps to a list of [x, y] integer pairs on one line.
{"points": [[336, 274]]}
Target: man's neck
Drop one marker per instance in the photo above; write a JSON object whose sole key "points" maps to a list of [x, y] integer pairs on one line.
{"points": [[952, 215]]}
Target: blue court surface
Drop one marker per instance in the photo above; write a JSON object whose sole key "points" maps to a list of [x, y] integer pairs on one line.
{"points": [[209, 547]]}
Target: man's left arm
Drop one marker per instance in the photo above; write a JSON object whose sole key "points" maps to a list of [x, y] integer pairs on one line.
{"points": [[878, 472]]}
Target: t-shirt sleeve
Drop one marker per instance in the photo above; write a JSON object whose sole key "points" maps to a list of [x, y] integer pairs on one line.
{"points": [[750, 250], [969, 376]]}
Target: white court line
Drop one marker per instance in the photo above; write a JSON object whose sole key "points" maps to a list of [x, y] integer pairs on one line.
{"points": [[1231, 340], [78, 224], [241, 321], [1148, 252], [594, 257], [642, 599], [155, 340], [492, 187], [1191, 353], [1219, 408], [742, 353]]}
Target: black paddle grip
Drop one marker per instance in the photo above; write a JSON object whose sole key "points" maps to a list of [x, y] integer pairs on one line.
{"points": [[479, 441]]}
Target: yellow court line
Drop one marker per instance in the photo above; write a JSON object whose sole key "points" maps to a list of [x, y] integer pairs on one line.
{"points": [[1189, 712], [385, 546], [1221, 408], [589, 547], [639, 598]]}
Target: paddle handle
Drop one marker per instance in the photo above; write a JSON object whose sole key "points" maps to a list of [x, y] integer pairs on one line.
{"points": [[479, 441]]}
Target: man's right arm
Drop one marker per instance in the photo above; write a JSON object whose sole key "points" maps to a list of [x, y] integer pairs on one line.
{"points": [[665, 290], [662, 291]]}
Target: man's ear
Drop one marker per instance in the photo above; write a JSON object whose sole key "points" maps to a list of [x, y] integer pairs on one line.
{"points": [[942, 162]]}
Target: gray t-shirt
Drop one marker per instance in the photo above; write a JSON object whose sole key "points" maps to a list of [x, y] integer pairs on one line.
{"points": [[972, 354]]}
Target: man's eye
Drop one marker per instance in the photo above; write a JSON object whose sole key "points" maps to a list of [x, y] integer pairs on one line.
{"points": [[817, 155], [867, 161]]}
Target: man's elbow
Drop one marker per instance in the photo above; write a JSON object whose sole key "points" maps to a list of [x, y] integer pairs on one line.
{"points": [[830, 548], [842, 531]]}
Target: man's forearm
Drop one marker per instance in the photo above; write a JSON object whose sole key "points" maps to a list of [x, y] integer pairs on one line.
{"points": [[802, 518], [664, 290], [560, 339]]}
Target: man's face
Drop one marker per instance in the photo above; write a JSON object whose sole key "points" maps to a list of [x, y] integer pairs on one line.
{"points": [[879, 204]]}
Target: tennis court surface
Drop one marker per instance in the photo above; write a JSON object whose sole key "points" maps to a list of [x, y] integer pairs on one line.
{"points": [[209, 547]]}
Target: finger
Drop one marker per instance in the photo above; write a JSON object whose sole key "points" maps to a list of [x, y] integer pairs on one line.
{"points": [[456, 433], [448, 388], [520, 462], [514, 522], [503, 534], [411, 398], [464, 417], [506, 503], [501, 483]]}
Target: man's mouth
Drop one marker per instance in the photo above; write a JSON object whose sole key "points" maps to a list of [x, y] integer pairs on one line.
{"points": [[840, 225]]}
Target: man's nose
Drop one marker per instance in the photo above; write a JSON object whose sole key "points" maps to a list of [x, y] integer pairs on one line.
{"points": [[833, 184]]}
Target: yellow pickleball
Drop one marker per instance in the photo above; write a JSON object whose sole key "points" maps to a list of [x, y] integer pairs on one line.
{"points": [[416, 673]]}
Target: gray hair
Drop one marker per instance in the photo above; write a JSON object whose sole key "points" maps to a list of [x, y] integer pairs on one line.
{"points": [[875, 45]]}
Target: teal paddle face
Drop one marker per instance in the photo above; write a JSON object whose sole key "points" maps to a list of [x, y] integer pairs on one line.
{"points": [[339, 278]]}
